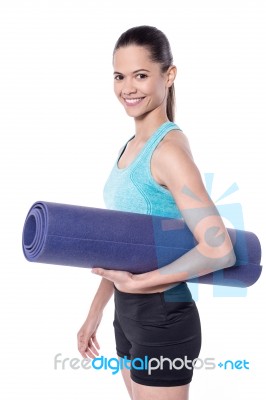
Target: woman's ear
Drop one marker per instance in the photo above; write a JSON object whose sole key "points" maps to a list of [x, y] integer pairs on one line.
{"points": [[171, 74]]}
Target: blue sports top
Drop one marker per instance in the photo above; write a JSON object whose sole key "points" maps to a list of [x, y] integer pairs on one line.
{"points": [[134, 189]]}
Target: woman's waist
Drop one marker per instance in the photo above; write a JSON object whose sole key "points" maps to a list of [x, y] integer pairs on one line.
{"points": [[180, 292]]}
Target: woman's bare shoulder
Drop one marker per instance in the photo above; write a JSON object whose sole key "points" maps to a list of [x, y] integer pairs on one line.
{"points": [[175, 140]]}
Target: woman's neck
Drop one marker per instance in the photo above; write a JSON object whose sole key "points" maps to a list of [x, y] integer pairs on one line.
{"points": [[145, 126]]}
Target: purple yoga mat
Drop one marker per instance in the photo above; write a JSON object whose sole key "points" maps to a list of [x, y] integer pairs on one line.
{"points": [[79, 236]]}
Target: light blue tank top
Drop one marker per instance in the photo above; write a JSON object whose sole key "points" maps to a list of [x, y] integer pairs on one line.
{"points": [[134, 189]]}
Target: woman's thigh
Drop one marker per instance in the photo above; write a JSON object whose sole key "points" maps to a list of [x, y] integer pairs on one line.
{"points": [[127, 380], [143, 392]]}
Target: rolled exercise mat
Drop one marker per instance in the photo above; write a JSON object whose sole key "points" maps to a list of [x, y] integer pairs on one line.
{"points": [[81, 236]]}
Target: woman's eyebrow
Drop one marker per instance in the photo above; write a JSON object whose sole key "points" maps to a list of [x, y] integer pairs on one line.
{"points": [[134, 72]]}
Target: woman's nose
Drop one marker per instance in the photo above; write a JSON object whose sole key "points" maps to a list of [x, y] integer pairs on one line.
{"points": [[128, 88]]}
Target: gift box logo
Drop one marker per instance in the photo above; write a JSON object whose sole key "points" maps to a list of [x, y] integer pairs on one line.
{"points": [[192, 218]]}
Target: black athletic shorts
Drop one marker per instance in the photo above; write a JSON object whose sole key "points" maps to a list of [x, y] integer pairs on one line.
{"points": [[160, 333]]}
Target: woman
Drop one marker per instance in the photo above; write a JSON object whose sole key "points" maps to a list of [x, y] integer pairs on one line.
{"points": [[155, 314]]}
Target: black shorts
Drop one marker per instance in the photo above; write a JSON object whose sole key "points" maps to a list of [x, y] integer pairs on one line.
{"points": [[160, 333]]}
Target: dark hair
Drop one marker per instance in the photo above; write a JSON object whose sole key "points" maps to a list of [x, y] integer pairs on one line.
{"points": [[158, 45]]}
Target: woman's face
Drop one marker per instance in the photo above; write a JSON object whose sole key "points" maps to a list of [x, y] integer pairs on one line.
{"points": [[138, 82]]}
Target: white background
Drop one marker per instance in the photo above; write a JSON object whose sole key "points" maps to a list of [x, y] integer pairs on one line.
{"points": [[61, 129]]}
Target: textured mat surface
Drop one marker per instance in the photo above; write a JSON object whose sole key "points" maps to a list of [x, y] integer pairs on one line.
{"points": [[79, 236]]}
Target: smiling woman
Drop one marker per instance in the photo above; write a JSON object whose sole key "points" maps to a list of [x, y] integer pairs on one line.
{"points": [[155, 174], [140, 83], [143, 55]]}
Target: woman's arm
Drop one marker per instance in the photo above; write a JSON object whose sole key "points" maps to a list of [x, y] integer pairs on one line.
{"points": [[102, 296], [176, 169], [88, 344]]}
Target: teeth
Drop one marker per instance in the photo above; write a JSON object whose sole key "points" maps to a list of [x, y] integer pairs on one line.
{"points": [[133, 101]]}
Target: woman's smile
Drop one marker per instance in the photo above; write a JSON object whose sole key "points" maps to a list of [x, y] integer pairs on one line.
{"points": [[133, 101]]}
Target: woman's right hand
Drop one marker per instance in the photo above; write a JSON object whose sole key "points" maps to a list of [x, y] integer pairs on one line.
{"points": [[88, 345]]}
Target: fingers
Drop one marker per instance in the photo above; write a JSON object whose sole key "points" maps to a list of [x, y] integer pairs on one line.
{"points": [[91, 351], [88, 346], [108, 274], [82, 345], [95, 341], [112, 274], [99, 271]]}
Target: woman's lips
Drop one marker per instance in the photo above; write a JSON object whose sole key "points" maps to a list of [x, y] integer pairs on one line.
{"points": [[133, 102]]}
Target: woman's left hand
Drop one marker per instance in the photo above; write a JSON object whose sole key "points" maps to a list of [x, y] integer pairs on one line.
{"points": [[122, 280], [133, 283]]}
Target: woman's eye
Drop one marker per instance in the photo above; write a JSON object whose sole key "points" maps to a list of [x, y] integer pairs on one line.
{"points": [[118, 77], [142, 76]]}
